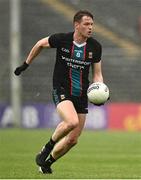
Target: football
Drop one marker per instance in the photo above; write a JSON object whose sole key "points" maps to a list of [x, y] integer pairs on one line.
{"points": [[98, 93]]}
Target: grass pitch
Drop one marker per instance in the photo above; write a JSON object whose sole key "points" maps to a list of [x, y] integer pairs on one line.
{"points": [[98, 155]]}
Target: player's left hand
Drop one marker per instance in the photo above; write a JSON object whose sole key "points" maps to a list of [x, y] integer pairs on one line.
{"points": [[98, 104], [101, 104]]}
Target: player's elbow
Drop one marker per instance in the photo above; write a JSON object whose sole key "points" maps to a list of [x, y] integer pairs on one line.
{"points": [[39, 44]]}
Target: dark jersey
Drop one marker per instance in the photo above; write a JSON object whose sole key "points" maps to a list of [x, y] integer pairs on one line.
{"points": [[73, 62]]}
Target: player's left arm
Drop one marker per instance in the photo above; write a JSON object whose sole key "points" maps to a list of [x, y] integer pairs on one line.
{"points": [[97, 72]]}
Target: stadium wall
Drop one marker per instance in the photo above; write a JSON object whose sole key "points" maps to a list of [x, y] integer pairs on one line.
{"points": [[113, 116]]}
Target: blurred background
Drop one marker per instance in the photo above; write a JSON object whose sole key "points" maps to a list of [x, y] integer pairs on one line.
{"points": [[117, 28]]}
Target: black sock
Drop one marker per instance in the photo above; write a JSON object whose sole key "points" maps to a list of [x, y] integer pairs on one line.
{"points": [[50, 144], [50, 161]]}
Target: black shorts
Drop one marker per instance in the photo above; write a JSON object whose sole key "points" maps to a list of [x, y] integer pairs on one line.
{"points": [[80, 103]]}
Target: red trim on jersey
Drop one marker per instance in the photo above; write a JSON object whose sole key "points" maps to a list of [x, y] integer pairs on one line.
{"points": [[81, 81], [70, 71], [70, 75], [72, 50], [84, 56]]}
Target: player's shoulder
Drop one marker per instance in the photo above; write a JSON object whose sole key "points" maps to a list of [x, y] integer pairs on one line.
{"points": [[63, 36], [55, 40], [93, 42]]}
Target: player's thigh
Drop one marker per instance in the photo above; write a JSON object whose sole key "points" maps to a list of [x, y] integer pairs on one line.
{"points": [[75, 133], [67, 111]]}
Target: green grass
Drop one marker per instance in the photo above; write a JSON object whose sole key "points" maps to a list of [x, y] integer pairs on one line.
{"points": [[100, 154]]}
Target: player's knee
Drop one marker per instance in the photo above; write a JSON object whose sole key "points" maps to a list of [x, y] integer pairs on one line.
{"points": [[72, 125]]}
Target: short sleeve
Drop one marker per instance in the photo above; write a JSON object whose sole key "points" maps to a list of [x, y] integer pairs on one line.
{"points": [[55, 40], [98, 52]]}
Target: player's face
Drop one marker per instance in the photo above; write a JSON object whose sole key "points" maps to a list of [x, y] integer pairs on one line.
{"points": [[85, 26]]}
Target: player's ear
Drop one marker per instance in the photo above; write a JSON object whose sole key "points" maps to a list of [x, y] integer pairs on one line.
{"points": [[76, 25]]}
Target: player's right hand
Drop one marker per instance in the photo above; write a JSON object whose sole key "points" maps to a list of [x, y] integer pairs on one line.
{"points": [[21, 68]]}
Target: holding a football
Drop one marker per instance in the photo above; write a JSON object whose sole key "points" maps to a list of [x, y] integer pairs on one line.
{"points": [[98, 93]]}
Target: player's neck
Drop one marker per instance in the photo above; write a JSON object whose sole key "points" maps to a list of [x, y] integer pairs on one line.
{"points": [[78, 38]]}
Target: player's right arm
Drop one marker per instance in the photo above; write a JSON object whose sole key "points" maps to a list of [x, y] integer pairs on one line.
{"points": [[43, 43], [53, 41]]}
